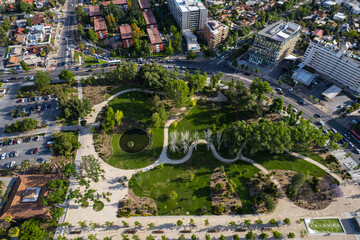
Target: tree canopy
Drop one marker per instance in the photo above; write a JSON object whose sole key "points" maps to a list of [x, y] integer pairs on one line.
{"points": [[42, 80], [67, 76]]}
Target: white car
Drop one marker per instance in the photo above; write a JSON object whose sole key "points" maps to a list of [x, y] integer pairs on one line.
{"points": [[291, 89], [321, 123], [3, 156], [295, 110]]}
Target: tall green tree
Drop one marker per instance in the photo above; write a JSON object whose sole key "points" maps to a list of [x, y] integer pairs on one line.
{"points": [[178, 92], [42, 80], [67, 76], [30, 230]]}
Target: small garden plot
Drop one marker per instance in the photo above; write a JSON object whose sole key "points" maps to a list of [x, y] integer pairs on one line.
{"points": [[224, 199], [324, 225], [308, 192], [95, 94], [263, 193], [137, 206]]}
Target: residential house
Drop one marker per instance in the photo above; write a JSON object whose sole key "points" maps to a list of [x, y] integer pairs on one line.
{"points": [[21, 23], [24, 200], [319, 14], [191, 41], [332, 25], [144, 5], [20, 39], [94, 12], [100, 28], [36, 34], [121, 4], [34, 50], [353, 6], [10, 7], [126, 36], [150, 19], [29, 1], [33, 60], [19, 31], [244, 23], [155, 39], [345, 27], [12, 62], [339, 16], [36, 20], [318, 32]]}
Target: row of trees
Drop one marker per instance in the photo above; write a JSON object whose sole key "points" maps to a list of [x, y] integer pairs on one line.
{"points": [[27, 124]]}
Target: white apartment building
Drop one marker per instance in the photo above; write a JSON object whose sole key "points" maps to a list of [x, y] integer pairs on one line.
{"points": [[353, 6], [188, 14], [335, 63]]}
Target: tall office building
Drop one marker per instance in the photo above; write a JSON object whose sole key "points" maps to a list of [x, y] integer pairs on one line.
{"points": [[215, 33], [274, 43], [188, 14], [336, 63]]}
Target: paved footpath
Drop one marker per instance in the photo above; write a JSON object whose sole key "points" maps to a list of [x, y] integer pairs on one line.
{"points": [[285, 208]]}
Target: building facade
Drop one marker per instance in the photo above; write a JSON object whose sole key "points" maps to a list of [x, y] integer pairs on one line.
{"points": [[191, 41], [188, 14], [155, 39], [126, 36], [215, 33], [274, 43], [335, 63]]}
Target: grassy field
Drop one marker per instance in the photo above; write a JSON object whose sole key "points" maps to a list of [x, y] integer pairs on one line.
{"points": [[192, 194], [204, 116], [286, 161], [135, 105], [331, 225], [311, 155]]}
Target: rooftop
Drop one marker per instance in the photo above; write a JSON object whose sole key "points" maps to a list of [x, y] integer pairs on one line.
{"points": [[280, 31], [154, 36], [149, 17], [190, 5], [191, 40], [30, 188], [125, 31], [215, 26], [116, 2], [94, 11], [144, 4], [99, 24]]}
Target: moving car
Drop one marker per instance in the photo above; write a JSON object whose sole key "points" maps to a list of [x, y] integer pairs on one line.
{"points": [[317, 115]]}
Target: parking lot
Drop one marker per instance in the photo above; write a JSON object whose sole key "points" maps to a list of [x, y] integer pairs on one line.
{"points": [[44, 109]]}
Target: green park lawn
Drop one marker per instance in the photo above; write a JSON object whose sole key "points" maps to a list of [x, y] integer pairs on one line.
{"points": [[204, 116], [330, 225], [286, 161], [200, 118], [192, 195], [311, 155], [135, 105]]}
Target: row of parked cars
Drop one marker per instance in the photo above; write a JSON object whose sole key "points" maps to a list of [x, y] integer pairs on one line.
{"points": [[33, 99], [9, 154]]}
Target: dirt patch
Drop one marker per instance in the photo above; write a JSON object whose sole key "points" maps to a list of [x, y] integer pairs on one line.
{"points": [[137, 206], [307, 197], [102, 144], [223, 196], [95, 94]]}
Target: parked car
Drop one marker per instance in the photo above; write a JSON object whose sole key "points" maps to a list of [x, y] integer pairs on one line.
{"points": [[357, 150], [11, 154], [302, 102], [16, 153], [295, 110], [317, 115], [3, 156], [36, 138], [41, 160], [321, 123], [278, 89], [7, 155], [11, 142], [35, 150]]}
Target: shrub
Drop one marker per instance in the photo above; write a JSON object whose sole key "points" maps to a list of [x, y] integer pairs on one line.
{"points": [[27, 124], [286, 221], [291, 235], [273, 222], [276, 234]]}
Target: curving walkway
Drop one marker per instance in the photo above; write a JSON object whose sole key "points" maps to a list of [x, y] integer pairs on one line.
{"points": [[111, 184]]}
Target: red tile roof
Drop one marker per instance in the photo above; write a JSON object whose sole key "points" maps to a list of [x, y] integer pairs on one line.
{"points": [[19, 31], [94, 11], [125, 31], [37, 20], [34, 50], [29, 1], [318, 32], [23, 210], [144, 4], [149, 17], [154, 36], [99, 24]]}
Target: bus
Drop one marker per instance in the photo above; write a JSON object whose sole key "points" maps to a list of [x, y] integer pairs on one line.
{"points": [[355, 135]]}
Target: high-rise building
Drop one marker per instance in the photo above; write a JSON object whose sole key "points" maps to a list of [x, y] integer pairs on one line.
{"points": [[274, 43], [334, 62], [215, 32], [188, 14]]}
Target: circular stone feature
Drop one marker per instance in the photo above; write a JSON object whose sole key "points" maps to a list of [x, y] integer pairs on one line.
{"points": [[134, 140]]}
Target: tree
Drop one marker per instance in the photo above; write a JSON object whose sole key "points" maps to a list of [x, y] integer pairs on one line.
{"points": [[92, 50], [286, 221], [247, 223], [30, 230], [278, 105], [169, 50], [260, 88], [27, 124], [236, 237], [291, 235], [42, 79], [215, 78], [67, 76], [263, 236], [250, 235], [276, 234], [136, 31], [57, 212], [151, 225], [92, 35], [234, 62], [13, 232], [65, 143], [91, 166], [178, 92], [24, 66], [75, 108], [25, 165], [110, 117], [173, 29], [179, 223], [259, 221], [269, 203], [206, 222], [119, 115]]}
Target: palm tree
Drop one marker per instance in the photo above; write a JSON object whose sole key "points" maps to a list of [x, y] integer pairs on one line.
{"points": [[196, 139], [184, 142], [174, 138], [219, 138], [25, 165], [207, 136]]}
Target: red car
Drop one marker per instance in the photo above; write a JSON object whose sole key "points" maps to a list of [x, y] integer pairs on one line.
{"points": [[281, 92], [15, 141], [35, 150]]}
